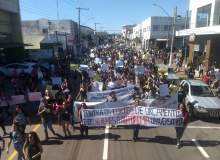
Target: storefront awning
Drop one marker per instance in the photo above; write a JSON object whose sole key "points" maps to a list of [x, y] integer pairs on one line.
{"points": [[162, 39], [13, 44]]}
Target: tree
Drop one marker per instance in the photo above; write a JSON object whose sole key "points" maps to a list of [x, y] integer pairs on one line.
{"points": [[83, 36]]}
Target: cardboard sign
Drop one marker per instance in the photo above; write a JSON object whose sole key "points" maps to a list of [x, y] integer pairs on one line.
{"points": [[53, 92], [164, 70], [164, 90], [96, 77], [104, 67], [98, 60], [118, 83], [91, 74], [139, 69], [83, 67], [74, 67], [97, 86], [92, 55], [145, 56], [119, 64], [146, 71], [56, 80], [173, 90], [34, 96], [18, 99], [48, 87]]}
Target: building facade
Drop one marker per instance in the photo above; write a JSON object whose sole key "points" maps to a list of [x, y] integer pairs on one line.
{"points": [[203, 32], [89, 32], [11, 40], [65, 31], [125, 30], [154, 31]]}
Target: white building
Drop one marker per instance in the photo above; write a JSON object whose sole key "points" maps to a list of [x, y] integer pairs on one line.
{"points": [[153, 32], [125, 29], [90, 35], [204, 28]]}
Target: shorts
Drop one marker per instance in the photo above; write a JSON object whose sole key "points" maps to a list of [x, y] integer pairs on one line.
{"points": [[82, 98], [65, 122]]}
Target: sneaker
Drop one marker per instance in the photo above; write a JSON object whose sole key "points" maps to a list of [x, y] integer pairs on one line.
{"points": [[134, 139], [70, 127], [181, 142], [178, 146]]}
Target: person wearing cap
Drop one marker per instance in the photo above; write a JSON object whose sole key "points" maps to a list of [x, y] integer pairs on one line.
{"points": [[21, 117], [45, 112], [136, 95]]}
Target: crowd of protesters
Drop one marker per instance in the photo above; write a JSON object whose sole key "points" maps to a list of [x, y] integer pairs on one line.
{"points": [[59, 106]]}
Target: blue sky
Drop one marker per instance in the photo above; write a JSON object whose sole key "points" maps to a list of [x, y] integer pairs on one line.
{"points": [[111, 14]]}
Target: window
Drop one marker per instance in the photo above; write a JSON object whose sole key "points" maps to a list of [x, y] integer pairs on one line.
{"points": [[189, 20], [34, 61], [203, 16], [202, 91], [22, 66], [165, 27], [27, 60], [12, 66], [155, 28], [186, 88], [144, 30], [148, 28]]}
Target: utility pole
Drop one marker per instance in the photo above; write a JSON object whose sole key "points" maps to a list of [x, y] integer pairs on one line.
{"points": [[78, 45], [174, 26], [95, 33], [57, 10], [101, 33], [184, 43], [168, 33]]}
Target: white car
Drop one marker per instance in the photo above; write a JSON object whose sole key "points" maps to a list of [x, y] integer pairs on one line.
{"points": [[43, 64], [7, 70]]}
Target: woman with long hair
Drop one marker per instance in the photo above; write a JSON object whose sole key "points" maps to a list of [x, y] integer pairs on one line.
{"points": [[180, 130], [82, 92], [18, 138], [64, 118], [4, 103], [34, 147], [21, 117], [69, 103], [82, 127]]}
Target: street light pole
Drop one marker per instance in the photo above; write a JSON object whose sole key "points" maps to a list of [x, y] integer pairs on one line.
{"points": [[88, 20], [174, 26], [95, 33], [101, 32]]}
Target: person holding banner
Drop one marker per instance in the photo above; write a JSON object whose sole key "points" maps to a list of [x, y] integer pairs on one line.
{"points": [[180, 130], [136, 95], [64, 117], [111, 98], [21, 117], [82, 127]]}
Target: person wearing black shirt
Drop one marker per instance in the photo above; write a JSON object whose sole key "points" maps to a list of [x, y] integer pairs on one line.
{"points": [[22, 78], [136, 95], [181, 95], [191, 73], [64, 117]]}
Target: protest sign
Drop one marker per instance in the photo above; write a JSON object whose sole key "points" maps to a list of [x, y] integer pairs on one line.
{"points": [[145, 116], [122, 94], [34, 96], [96, 77], [145, 56], [173, 90], [91, 74], [109, 59], [119, 64], [92, 55], [146, 71], [56, 80], [164, 90], [104, 67], [171, 103], [118, 83], [48, 87], [134, 57], [19, 99], [97, 86], [98, 60], [164, 70], [74, 67], [83, 67], [122, 57], [53, 92], [139, 69]]}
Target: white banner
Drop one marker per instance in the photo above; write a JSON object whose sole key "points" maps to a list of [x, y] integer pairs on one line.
{"points": [[139, 69], [98, 60], [97, 86], [121, 94], [145, 116], [119, 64], [171, 103], [104, 67], [91, 74], [164, 90], [92, 55], [56, 80]]}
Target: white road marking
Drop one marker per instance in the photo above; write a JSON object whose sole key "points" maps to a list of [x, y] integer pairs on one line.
{"points": [[105, 150], [203, 127], [200, 148]]}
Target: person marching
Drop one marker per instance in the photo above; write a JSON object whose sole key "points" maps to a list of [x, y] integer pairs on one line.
{"points": [[82, 127]]}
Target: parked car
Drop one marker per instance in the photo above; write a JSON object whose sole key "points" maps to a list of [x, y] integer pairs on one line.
{"points": [[7, 70], [171, 73], [168, 49], [45, 66], [202, 99]]}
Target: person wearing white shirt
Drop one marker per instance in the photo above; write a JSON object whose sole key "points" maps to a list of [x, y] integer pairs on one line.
{"points": [[218, 75], [201, 69], [111, 85]]}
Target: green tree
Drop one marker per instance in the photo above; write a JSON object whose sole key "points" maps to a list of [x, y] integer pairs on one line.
{"points": [[83, 36]]}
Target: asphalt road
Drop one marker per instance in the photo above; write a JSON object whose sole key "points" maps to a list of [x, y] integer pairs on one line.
{"points": [[200, 142]]}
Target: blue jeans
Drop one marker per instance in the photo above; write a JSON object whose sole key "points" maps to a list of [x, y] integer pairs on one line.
{"points": [[136, 130], [49, 124], [18, 147]]}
